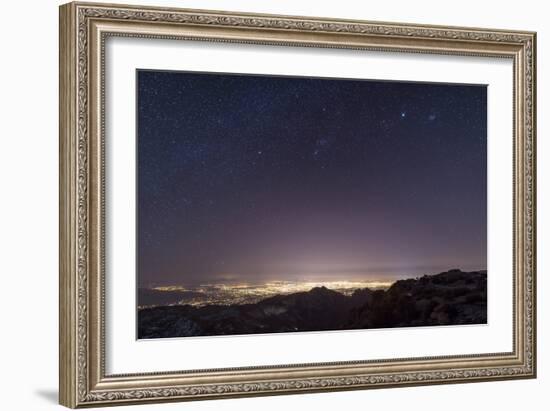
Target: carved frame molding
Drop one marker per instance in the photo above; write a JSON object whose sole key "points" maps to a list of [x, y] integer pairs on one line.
{"points": [[83, 30]]}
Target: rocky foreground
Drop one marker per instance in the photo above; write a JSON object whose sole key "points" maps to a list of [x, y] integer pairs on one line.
{"points": [[450, 298]]}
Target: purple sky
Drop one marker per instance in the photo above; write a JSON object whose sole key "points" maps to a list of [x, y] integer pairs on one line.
{"points": [[254, 178]]}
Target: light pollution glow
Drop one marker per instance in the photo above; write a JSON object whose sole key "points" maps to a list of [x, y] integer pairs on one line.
{"points": [[244, 293]]}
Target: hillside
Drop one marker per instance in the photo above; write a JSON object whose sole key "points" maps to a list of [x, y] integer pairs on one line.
{"points": [[450, 298]]}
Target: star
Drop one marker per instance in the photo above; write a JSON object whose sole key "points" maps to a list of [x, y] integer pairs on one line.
{"points": [[403, 114]]}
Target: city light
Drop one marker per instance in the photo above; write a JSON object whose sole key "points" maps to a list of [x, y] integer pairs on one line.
{"points": [[244, 293]]}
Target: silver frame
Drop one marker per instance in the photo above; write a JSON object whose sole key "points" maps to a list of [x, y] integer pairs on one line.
{"points": [[84, 27]]}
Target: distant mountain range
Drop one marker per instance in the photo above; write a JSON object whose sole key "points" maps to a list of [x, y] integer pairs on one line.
{"points": [[449, 298]]}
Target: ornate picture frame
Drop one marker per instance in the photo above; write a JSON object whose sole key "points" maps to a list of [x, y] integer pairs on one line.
{"points": [[84, 29]]}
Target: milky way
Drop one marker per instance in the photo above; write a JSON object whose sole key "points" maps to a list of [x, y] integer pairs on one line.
{"points": [[259, 178]]}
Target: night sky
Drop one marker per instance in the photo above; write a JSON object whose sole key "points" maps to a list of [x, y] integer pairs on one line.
{"points": [[256, 178]]}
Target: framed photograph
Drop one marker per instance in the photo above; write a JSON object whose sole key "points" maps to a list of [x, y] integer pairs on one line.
{"points": [[259, 204]]}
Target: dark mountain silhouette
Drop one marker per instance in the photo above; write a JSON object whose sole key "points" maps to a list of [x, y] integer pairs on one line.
{"points": [[450, 298]]}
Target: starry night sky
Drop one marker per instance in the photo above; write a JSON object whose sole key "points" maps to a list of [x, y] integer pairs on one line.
{"points": [[255, 178]]}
